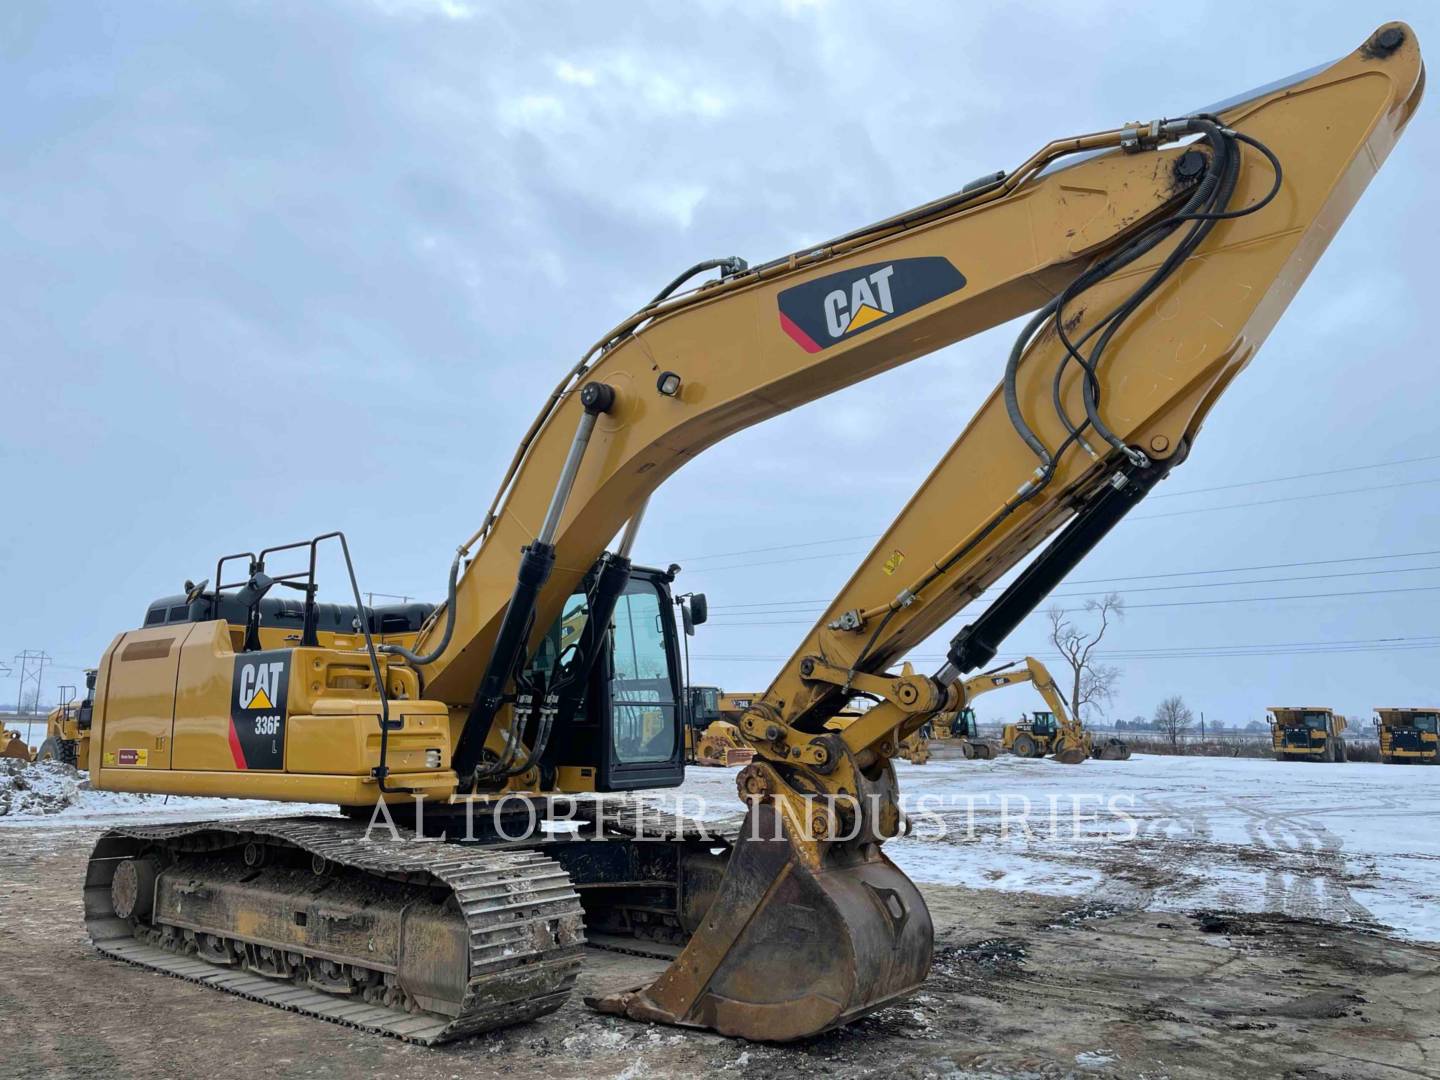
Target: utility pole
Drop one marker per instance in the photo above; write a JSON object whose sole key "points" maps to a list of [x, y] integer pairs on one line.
{"points": [[32, 673]]}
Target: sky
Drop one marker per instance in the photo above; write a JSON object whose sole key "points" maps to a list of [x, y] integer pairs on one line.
{"points": [[275, 269]]}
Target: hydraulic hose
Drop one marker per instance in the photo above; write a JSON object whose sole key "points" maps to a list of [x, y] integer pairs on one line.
{"points": [[731, 265], [1206, 204], [444, 643]]}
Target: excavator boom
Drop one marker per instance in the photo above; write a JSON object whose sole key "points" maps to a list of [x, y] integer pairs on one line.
{"points": [[689, 370]]}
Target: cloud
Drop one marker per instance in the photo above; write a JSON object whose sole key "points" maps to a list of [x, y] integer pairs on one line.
{"points": [[452, 10]]}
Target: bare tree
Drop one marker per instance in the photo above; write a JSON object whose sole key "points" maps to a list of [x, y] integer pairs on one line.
{"points": [[1173, 718], [1091, 684]]}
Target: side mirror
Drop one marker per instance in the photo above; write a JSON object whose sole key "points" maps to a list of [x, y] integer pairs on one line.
{"points": [[699, 608], [253, 590], [687, 620]]}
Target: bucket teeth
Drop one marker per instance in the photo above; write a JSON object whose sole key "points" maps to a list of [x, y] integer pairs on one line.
{"points": [[787, 951]]}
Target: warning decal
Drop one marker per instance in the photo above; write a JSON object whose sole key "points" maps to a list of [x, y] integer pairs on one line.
{"points": [[258, 697]]}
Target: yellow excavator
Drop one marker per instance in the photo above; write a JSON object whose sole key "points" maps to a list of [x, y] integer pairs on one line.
{"points": [[1154, 258], [1047, 732]]}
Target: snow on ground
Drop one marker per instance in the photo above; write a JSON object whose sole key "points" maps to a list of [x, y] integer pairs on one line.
{"points": [[1347, 843], [49, 793]]}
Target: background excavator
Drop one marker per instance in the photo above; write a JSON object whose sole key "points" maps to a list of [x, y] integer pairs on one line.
{"points": [[1155, 257], [1047, 732]]}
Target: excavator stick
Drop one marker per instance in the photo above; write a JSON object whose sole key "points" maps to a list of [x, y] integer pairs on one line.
{"points": [[788, 949]]}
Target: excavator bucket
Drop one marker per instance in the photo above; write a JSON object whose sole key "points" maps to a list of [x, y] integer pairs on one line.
{"points": [[721, 745], [1113, 750], [1070, 751], [787, 951]]}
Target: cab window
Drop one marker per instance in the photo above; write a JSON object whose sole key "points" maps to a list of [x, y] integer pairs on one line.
{"points": [[643, 696]]}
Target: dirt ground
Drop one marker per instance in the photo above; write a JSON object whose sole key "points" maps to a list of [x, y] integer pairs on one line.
{"points": [[1022, 986]]}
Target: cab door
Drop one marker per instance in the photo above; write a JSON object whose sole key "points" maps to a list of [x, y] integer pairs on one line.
{"points": [[642, 746]]}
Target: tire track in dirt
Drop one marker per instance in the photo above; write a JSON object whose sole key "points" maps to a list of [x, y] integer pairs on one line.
{"points": [[1306, 875]]}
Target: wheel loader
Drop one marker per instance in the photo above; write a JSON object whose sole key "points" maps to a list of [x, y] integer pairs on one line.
{"points": [[13, 745], [1409, 736], [67, 728], [1307, 733], [472, 861], [711, 737]]}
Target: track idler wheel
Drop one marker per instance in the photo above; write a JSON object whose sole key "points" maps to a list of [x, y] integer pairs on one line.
{"points": [[787, 951]]}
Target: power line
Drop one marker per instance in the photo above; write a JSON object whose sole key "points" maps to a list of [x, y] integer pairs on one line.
{"points": [[788, 608], [1184, 652], [782, 547], [1288, 499], [1296, 476], [1142, 607], [1161, 495], [1143, 517], [1147, 577]]}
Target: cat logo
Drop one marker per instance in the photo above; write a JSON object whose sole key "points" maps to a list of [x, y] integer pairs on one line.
{"points": [[835, 307], [257, 684], [258, 703], [868, 301]]}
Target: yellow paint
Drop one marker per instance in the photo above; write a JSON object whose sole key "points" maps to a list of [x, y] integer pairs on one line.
{"points": [[864, 317]]}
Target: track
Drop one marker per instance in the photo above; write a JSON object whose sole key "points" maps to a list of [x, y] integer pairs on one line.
{"points": [[522, 919]]}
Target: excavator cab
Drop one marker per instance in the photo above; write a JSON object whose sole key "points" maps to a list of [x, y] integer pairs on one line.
{"points": [[628, 723]]}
